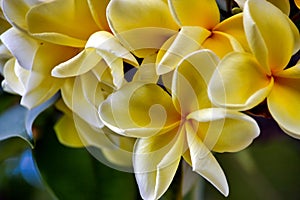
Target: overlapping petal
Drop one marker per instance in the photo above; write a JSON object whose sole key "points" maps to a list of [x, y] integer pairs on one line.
{"points": [[225, 130], [188, 40], [239, 82], [203, 13], [284, 105], [98, 11], [204, 163], [44, 22], [190, 80], [83, 95], [139, 109], [156, 160], [15, 11], [147, 25], [265, 36]]}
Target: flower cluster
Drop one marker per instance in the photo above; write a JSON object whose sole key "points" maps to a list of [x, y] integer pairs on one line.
{"points": [[150, 83]]}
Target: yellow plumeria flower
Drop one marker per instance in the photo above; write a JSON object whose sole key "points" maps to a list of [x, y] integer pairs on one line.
{"points": [[182, 125], [246, 79], [297, 2], [38, 28], [200, 28]]}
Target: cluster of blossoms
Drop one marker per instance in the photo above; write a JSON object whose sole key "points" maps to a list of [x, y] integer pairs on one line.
{"points": [[150, 83]]}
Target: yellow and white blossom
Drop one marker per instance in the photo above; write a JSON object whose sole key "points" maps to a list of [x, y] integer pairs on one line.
{"points": [[249, 78], [182, 125]]}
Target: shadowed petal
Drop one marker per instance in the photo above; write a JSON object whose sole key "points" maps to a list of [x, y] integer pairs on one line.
{"points": [[284, 105]]}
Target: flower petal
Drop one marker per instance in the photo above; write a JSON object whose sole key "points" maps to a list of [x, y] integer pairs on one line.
{"points": [[297, 2], [44, 22], [15, 11], [239, 82], [82, 101], [67, 133], [222, 44], [284, 105], [204, 163], [141, 26], [292, 72], [109, 148], [188, 40], [79, 64], [21, 46], [265, 36], [15, 77], [225, 130], [147, 71], [155, 161], [98, 10], [234, 26], [203, 13], [139, 110], [190, 80]]}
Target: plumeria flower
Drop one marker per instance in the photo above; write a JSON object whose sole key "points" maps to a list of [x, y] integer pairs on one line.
{"points": [[181, 125], [38, 30], [200, 27], [246, 79]]}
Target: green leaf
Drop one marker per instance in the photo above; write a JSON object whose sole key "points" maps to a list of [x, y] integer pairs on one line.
{"points": [[12, 124], [74, 174], [17, 121]]}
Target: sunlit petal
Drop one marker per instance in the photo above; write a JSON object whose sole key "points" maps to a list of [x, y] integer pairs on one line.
{"points": [[234, 26], [292, 72], [139, 14], [190, 80], [204, 163], [265, 36], [156, 160], [231, 131], [221, 44], [188, 39], [139, 110], [79, 64], [239, 82], [147, 25], [203, 13], [284, 105], [283, 5], [44, 21]]}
